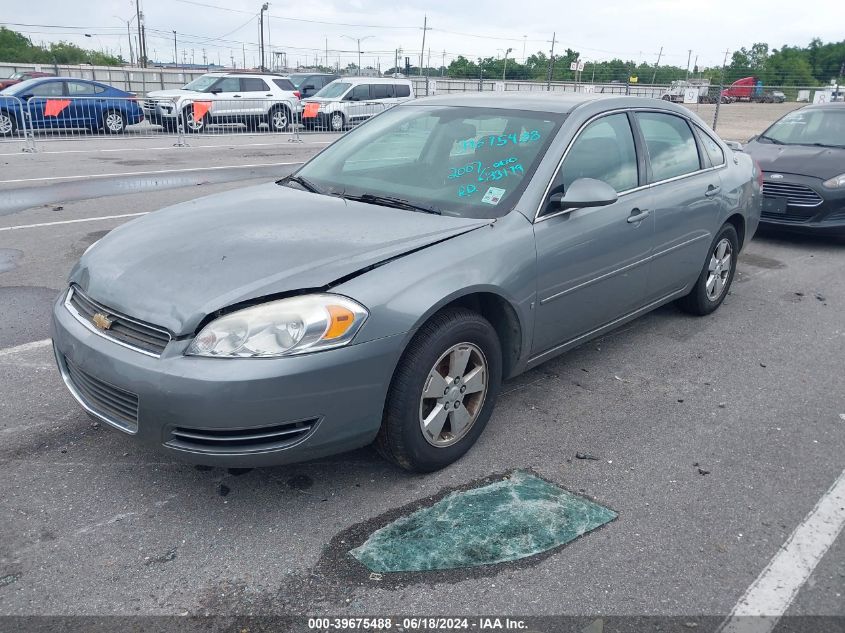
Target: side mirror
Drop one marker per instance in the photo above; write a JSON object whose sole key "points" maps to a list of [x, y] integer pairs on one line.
{"points": [[584, 192], [215, 91], [737, 147]]}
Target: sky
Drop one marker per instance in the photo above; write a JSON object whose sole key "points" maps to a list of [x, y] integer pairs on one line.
{"points": [[632, 30]]}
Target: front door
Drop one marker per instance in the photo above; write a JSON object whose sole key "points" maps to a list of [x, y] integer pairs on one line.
{"points": [[593, 262]]}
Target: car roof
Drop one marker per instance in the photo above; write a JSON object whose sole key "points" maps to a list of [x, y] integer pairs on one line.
{"points": [[825, 106], [537, 101], [373, 80]]}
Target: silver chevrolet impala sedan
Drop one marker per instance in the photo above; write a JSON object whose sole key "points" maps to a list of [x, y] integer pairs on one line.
{"points": [[383, 291]]}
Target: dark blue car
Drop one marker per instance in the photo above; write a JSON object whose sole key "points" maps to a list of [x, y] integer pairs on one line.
{"points": [[63, 102]]}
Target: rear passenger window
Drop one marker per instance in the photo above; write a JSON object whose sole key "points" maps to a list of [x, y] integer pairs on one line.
{"points": [[284, 84], [670, 143], [74, 88], [253, 84], [402, 90], [604, 151], [381, 91], [360, 93], [717, 156]]}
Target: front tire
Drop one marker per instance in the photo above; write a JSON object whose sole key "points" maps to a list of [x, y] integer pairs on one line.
{"points": [[190, 124], [114, 122], [8, 124], [337, 122], [442, 393], [715, 279]]}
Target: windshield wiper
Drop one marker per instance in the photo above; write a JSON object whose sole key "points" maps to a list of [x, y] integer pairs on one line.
{"points": [[771, 140], [302, 182], [827, 145], [389, 201]]}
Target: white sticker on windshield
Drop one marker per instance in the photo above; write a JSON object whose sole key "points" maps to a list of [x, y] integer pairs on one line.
{"points": [[493, 195]]}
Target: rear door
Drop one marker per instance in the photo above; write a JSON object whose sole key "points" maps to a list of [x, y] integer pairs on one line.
{"points": [[256, 94], [687, 200], [593, 263], [84, 110]]}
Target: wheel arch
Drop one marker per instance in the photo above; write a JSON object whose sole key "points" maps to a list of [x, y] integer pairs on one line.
{"points": [[494, 307], [738, 222]]}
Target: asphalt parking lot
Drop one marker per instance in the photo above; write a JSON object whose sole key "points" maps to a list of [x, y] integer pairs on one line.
{"points": [[715, 437]]}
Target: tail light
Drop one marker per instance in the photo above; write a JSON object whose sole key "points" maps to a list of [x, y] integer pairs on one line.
{"points": [[297, 94]]}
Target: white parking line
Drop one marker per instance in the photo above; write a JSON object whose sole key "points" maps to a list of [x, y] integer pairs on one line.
{"points": [[101, 217], [151, 173], [167, 147], [768, 598], [10, 351]]}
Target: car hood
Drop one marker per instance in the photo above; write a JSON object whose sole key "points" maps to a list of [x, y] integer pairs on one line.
{"points": [[177, 92], [175, 266], [804, 160]]}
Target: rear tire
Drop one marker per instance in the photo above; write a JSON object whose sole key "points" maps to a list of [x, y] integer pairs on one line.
{"points": [[278, 119], [114, 122], [8, 124], [442, 393], [716, 277]]}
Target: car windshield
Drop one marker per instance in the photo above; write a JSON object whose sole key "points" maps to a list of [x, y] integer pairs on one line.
{"points": [[201, 84], [460, 161], [809, 127], [16, 75], [333, 90], [297, 80]]}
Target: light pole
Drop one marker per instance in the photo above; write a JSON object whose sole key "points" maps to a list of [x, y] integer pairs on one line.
{"points": [[359, 40], [504, 70], [264, 7], [129, 35]]}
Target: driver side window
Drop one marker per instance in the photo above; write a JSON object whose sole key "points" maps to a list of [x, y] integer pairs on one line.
{"points": [[605, 151], [359, 93]]}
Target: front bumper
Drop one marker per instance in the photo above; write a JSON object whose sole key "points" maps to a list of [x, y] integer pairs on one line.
{"points": [[230, 412], [828, 216]]}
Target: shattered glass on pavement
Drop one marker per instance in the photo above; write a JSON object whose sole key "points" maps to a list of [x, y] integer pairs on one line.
{"points": [[507, 520]]}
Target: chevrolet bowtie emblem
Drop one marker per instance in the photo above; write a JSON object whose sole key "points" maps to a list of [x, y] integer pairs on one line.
{"points": [[102, 321]]}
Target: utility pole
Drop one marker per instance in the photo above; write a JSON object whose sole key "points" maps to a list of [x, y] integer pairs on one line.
{"points": [[422, 50], [327, 53], [524, 40], [204, 59], [659, 55], [688, 58], [443, 64], [551, 64], [243, 50], [264, 7], [175, 52], [695, 65], [396, 60], [142, 62], [232, 57]]}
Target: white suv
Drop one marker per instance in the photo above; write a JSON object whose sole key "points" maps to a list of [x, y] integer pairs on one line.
{"points": [[351, 100], [251, 99]]}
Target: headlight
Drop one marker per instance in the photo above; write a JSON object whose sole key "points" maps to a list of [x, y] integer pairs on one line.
{"points": [[282, 328], [837, 182]]}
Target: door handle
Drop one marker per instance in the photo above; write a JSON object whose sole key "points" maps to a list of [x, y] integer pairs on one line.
{"points": [[638, 215], [712, 190], [268, 95], [237, 96]]}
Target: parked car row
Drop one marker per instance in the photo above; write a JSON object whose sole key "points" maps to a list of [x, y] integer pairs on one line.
{"points": [[256, 100]]}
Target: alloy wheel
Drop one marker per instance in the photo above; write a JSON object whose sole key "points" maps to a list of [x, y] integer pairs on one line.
{"points": [[337, 122], [719, 269], [114, 122], [280, 120], [453, 395]]}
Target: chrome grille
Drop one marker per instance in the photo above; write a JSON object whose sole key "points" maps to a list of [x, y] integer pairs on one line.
{"points": [[251, 440], [115, 405], [796, 195], [140, 336]]}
